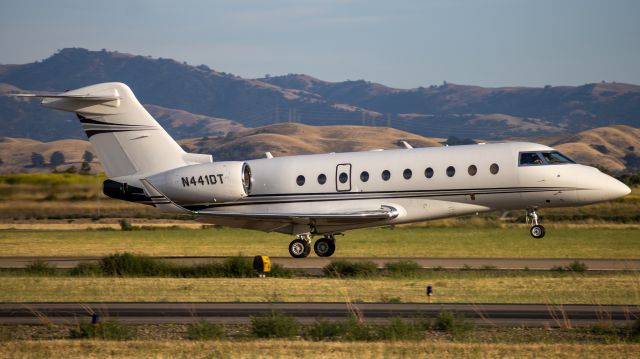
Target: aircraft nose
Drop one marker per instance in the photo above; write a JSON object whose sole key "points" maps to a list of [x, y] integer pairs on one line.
{"points": [[600, 187], [619, 189], [615, 189]]}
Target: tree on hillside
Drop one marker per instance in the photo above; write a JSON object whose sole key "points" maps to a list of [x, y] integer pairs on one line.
{"points": [[85, 168], [1, 162], [37, 159], [57, 158], [87, 156]]}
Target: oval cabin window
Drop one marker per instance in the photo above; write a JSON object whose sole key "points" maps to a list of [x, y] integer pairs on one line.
{"points": [[300, 180], [451, 171], [494, 168], [428, 172], [386, 175], [473, 170], [322, 179]]}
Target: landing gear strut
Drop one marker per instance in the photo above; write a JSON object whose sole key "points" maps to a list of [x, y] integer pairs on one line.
{"points": [[301, 246], [536, 230], [325, 247]]}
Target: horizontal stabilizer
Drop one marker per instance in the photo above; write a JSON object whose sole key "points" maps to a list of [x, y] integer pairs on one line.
{"points": [[86, 97]]}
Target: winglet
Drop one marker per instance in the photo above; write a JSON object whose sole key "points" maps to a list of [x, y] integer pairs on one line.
{"points": [[162, 202]]}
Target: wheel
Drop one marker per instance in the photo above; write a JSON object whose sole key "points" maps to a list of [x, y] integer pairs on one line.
{"points": [[537, 231], [324, 247], [299, 248]]}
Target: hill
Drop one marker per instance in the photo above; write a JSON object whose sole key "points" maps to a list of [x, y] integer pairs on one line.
{"points": [[206, 95], [615, 148], [295, 139], [15, 154]]}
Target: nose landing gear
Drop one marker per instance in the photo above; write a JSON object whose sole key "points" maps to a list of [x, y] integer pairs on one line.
{"points": [[536, 230]]}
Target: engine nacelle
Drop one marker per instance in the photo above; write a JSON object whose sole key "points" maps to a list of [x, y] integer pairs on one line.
{"points": [[205, 183]]}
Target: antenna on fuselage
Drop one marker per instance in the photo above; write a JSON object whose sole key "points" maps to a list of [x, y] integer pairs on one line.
{"points": [[406, 145]]}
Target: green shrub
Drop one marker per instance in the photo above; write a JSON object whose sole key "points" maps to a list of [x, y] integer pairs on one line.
{"points": [[237, 267], [125, 225], [577, 266], [203, 330], [326, 330], [403, 268], [356, 330], [399, 329], [279, 271], [343, 268], [108, 330], [454, 324], [203, 270], [275, 325], [86, 269], [127, 264], [634, 330], [40, 267]]}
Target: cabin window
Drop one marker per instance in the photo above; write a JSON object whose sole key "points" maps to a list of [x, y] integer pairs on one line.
{"points": [[451, 171], [472, 170], [343, 178], [322, 179], [428, 172], [386, 175], [407, 174], [364, 176], [494, 168], [300, 180]]}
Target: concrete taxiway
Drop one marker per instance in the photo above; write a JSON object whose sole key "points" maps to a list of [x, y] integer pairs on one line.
{"points": [[185, 312]]}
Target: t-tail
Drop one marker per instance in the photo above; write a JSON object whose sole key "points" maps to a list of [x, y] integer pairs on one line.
{"points": [[143, 163], [128, 141]]}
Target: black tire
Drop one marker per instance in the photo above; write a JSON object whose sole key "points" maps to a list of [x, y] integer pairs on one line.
{"points": [[324, 247], [299, 248], [537, 231]]}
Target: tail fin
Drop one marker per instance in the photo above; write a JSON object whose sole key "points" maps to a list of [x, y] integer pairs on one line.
{"points": [[127, 139]]}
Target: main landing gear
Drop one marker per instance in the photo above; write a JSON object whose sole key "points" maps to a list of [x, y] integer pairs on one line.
{"points": [[536, 230], [301, 246]]}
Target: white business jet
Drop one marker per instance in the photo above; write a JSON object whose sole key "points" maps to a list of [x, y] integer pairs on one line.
{"points": [[325, 194]]}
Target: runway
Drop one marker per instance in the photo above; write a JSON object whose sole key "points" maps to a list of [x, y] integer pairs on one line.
{"points": [[532, 315], [314, 264]]}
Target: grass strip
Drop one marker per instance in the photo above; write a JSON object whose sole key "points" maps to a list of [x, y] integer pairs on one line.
{"points": [[376, 242], [449, 287]]}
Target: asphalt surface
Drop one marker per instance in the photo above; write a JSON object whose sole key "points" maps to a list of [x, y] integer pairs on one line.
{"points": [[186, 312], [313, 263]]}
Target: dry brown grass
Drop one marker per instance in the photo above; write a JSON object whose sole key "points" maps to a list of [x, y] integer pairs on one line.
{"points": [[300, 348], [461, 287]]}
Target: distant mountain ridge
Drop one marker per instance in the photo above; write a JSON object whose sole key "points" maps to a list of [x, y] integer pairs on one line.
{"points": [[216, 102], [615, 148]]}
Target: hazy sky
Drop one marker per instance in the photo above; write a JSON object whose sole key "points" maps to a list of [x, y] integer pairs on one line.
{"points": [[397, 43]]}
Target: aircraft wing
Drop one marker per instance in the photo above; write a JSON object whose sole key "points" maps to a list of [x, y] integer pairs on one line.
{"points": [[384, 212], [165, 204]]}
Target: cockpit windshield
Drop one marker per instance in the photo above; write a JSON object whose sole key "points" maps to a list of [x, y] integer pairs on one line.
{"points": [[555, 157], [539, 158]]}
